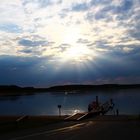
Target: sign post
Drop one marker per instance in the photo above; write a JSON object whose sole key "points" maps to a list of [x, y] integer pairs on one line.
{"points": [[59, 108]]}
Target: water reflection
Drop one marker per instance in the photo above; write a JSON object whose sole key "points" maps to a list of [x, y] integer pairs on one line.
{"points": [[11, 98], [127, 101]]}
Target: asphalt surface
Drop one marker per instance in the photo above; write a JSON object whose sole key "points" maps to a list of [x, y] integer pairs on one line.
{"points": [[82, 130]]}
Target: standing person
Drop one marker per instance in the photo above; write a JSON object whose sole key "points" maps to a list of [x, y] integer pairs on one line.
{"points": [[117, 112], [89, 107], [111, 104]]}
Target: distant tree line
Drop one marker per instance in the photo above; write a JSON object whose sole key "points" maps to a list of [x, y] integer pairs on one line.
{"points": [[69, 88]]}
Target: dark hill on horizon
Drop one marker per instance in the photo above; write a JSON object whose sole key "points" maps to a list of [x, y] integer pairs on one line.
{"points": [[92, 87], [63, 88]]}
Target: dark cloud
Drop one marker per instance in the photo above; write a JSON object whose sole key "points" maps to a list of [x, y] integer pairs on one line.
{"points": [[42, 3], [64, 47], [24, 71], [76, 7], [123, 11], [104, 13], [64, 12], [89, 16], [10, 27], [134, 52], [116, 64], [125, 6], [128, 57], [134, 31], [102, 44], [31, 43], [28, 51], [98, 2], [83, 41], [15, 70], [135, 34], [80, 7], [37, 71]]}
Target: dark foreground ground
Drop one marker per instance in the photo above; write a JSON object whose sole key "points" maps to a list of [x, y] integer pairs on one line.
{"points": [[54, 128]]}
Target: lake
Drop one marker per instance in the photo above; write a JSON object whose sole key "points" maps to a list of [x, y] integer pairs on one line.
{"points": [[127, 101]]}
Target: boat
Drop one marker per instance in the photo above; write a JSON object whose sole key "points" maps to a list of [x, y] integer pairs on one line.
{"points": [[95, 107]]}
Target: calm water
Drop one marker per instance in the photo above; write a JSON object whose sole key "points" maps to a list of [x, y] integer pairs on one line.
{"points": [[127, 101]]}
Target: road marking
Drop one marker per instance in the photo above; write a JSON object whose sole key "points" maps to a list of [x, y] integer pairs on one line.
{"points": [[76, 126]]}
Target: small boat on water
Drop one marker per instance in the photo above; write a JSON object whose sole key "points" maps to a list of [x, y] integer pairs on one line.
{"points": [[97, 108]]}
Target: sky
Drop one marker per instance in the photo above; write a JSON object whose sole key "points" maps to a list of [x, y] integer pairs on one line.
{"points": [[55, 42]]}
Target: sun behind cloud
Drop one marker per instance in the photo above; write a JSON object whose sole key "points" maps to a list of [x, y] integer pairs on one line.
{"points": [[71, 35], [77, 54]]}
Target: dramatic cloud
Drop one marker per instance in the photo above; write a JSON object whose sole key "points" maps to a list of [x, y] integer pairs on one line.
{"points": [[74, 41]]}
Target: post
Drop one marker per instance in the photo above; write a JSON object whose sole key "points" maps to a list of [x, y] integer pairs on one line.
{"points": [[59, 108], [97, 102], [117, 112]]}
